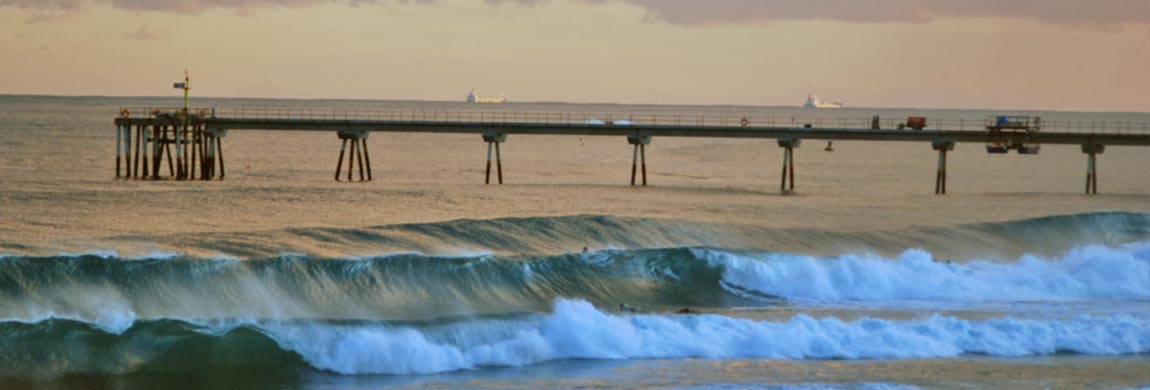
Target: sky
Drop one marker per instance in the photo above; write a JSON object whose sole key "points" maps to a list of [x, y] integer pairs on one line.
{"points": [[1084, 55]]}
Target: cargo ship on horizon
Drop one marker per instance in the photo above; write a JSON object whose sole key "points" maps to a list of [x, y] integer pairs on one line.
{"points": [[473, 97], [816, 102]]}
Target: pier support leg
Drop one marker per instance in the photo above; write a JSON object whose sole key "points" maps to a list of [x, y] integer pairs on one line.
{"points": [[195, 162], [366, 157], [498, 163], [339, 162], [213, 151], [359, 158], [119, 140], [1092, 152], [140, 137], [350, 159], [358, 144], [940, 179], [143, 145], [643, 161], [181, 168], [634, 164], [220, 147], [493, 140], [639, 155], [490, 147], [160, 136], [788, 145]]}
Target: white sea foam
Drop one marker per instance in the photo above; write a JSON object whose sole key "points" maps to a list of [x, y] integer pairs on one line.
{"points": [[1086, 273], [576, 330]]}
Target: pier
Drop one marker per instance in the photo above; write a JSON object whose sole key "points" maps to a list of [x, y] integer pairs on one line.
{"points": [[190, 141]]}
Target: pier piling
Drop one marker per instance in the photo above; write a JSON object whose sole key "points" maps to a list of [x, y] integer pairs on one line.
{"points": [[358, 145], [940, 179], [639, 155], [493, 140], [119, 132], [339, 162], [789, 145], [1092, 152]]}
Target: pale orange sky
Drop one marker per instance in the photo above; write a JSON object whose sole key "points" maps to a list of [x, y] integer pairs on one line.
{"points": [[1006, 54]]}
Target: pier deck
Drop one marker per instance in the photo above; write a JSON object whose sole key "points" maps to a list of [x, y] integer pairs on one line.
{"points": [[197, 135]]}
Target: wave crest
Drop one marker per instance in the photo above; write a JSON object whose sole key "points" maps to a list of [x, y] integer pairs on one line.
{"points": [[574, 330]]}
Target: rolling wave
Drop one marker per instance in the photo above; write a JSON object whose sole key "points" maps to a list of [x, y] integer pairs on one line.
{"points": [[1006, 240], [410, 286], [573, 330]]}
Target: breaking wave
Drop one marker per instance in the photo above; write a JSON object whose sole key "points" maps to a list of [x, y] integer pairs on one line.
{"points": [[573, 330]]}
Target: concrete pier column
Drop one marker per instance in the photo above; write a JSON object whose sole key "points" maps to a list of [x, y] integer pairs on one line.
{"points": [[119, 139], [1092, 152], [639, 156], [358, 143], [192, 137], [339, 162], [181, 168], [789, 145], [940, 179], [141, 152], [366, 157], [493, 140], [490, 147], [145, 147], [498, 163], [351, 158], [214, 155], [220, 147]]}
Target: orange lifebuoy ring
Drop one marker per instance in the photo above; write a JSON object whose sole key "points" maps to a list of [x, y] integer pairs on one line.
{"points": [[744, 122], [124, 113]]}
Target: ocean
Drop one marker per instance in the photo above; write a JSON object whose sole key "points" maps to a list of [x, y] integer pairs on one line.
{"points": [[568, 277]]}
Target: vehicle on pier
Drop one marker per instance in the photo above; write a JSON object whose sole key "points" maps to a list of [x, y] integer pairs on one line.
{"points": [[1012, 132]]}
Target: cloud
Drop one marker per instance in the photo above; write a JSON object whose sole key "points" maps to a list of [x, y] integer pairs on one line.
{"points": [[43, 4], [198, 6], [44, 17], [1064, 12], [192, 6], [1096, 13], [141, 34], [523, 3]]}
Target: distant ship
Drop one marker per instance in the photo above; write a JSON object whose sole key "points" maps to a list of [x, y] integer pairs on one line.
{"points": [[474, 98], [815, 102]]}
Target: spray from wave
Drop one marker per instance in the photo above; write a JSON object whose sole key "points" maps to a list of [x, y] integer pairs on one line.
{"points": [[1086, 273]]}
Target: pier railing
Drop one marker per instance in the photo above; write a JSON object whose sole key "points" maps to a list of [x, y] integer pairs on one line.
{"points": [[621, 118]]}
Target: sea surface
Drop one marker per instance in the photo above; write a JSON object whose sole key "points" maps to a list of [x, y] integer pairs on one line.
{"points": [[278, 276]]}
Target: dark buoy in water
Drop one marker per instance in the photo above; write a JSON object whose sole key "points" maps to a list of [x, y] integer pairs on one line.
{"points": [[829, 148]]}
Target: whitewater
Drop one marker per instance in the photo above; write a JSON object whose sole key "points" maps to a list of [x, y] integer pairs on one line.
{"points": [[125, 315]]}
